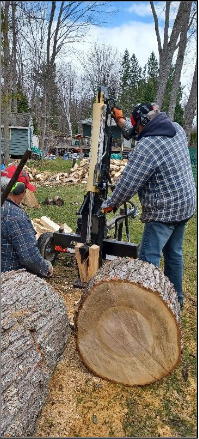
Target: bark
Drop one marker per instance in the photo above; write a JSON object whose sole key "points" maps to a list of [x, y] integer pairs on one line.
{"points": [[14, 57], [179, 62], [35, 330], [191, 106], [166, 51], [128, 323], [43, 120], [6, 98]]}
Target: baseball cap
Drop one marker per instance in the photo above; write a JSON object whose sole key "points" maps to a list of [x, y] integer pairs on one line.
{"points": [[23, 177]]}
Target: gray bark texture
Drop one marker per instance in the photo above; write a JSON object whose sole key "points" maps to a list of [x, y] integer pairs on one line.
{"points": [[140, 273], [191, 105], [6, 95], [179, 62], [35, 330], [167, 49]]}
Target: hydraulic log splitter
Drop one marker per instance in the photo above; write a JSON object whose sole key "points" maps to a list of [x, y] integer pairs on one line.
{"points": [[92, 227]]}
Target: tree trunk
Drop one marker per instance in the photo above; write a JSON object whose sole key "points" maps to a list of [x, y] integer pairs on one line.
{"points": [[128, 324], [43, 122], [6, 98], [179, 62], [34, 332], [14, 57], [190, 108], [167, 50]]}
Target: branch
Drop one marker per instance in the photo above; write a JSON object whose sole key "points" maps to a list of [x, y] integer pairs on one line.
{"points": [[166, 26], [56, 33], [177, 24], [192, 19], [53, 7], [156, 27]]}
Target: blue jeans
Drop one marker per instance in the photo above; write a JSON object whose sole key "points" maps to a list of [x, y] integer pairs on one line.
{"points": [[165, 238]]}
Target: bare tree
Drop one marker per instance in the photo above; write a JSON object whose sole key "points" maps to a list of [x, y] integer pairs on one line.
{"points": [[170, 44], [191, 105], [179, 61], [101, 67], [72, 20], [6, 89], [67, 82]]}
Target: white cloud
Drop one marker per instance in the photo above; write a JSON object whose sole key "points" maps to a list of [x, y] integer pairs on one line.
{"points": [[143, 9], [140, 8], [139, 38]]}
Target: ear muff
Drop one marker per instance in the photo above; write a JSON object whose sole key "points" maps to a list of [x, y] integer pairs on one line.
{"points": [[18, 188]]}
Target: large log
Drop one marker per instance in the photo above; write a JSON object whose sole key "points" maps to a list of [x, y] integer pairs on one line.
{"points": [[35, 329], [127, 324]]}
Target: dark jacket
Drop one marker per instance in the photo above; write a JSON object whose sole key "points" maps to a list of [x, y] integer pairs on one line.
{"points": [[159, 170], [18, 243]]}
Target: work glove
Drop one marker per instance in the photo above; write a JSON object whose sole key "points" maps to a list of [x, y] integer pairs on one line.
{"points": [[117, 113], [107, 209]]}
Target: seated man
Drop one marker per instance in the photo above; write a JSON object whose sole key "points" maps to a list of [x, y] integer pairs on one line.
{"points": [[18, 243]]}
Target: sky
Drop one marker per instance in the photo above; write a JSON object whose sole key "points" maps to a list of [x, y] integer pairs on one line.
{"points": [[129, 25]]}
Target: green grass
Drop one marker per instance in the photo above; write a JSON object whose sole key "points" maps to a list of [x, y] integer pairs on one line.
{"points": [[166, 408], [57, 165]]}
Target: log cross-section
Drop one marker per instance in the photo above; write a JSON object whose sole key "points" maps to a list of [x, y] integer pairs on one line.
{"points": [[128, 323]]}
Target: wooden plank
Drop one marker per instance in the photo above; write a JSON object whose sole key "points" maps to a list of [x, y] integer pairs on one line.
{"points": [[93, 262], [82, 266]]}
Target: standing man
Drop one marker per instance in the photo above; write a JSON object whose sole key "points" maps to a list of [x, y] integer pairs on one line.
{"points": [[18, 243], [159, 170]]}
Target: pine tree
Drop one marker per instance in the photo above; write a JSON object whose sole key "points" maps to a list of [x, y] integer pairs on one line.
{"points": [[125, 82], [135, 78], [22, 101], [130, 82], [151, 84]]}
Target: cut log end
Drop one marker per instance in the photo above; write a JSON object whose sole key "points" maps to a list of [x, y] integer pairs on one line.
{"points": [[126, 332]]}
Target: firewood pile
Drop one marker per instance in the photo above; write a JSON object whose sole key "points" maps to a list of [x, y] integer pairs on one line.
{"points": [[77, 174]]}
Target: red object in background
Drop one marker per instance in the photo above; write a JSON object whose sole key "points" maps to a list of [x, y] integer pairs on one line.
{"points": [[23, 177], [59, 248]]}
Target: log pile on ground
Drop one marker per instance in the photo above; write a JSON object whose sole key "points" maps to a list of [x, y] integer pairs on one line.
{"points": [[45, 224], [128, 323], [35, 330], [77, 174]]}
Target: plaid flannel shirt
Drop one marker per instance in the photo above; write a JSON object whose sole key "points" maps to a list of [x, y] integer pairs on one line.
{"points": [[159, 170], [18, 243]]}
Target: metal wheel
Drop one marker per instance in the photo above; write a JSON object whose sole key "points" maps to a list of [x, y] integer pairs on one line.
{"points": [[46, 247]]}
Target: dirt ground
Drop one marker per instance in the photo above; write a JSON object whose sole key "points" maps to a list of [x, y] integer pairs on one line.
{"points": [[82, 405], [79, 404]]}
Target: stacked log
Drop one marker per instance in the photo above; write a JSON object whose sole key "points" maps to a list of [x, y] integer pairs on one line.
{"points": [[127, 325], [35, 329], [45, 224], [77, 174]]}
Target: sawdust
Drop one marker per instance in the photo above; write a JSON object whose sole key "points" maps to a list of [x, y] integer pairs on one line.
{"points": [[79, 404], [82, 405]]}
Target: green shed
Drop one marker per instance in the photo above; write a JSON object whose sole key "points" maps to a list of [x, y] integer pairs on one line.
{"points": [[21, 132], [86, 125]]}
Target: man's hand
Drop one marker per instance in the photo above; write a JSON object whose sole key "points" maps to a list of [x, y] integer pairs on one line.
{"points": [[107, 209], [117, 113], [50, 269]]}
